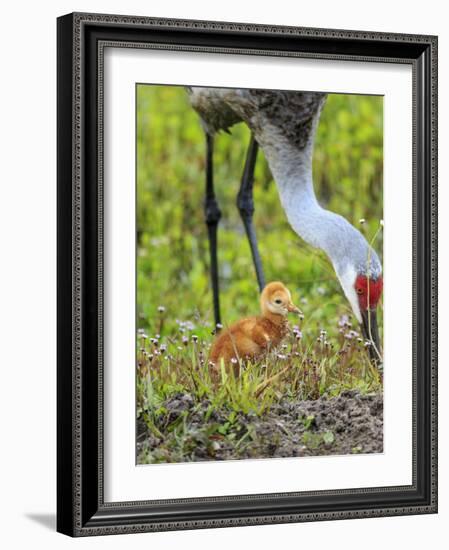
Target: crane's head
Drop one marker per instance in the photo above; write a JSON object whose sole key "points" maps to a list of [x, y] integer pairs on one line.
{"points": [[369, 291], [363, 288]]}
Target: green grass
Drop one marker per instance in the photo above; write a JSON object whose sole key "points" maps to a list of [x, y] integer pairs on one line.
{"points": [[177, 366], [173, 255], [298, 368]]}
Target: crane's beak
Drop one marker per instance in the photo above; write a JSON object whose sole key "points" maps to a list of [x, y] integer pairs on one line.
{"points": [[370, 332]]}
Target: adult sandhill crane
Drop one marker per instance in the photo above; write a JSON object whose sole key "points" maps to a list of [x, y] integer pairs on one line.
{"points": [[283, 124]]}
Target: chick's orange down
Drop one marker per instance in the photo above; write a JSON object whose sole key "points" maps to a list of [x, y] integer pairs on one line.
{"points": [[252, 337]]}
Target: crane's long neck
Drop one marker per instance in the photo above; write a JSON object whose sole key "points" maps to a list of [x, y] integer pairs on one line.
{"points": [[292, 170], [319, 227], [345, 246]]}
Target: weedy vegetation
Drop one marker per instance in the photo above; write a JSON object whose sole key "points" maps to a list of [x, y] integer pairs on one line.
{"points": [[174, 366]]}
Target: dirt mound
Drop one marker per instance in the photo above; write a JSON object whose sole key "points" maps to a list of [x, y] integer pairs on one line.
{"points": [[186, 431]]}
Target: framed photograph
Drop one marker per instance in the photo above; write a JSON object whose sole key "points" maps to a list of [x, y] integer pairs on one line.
{"points": [[247, 278]]}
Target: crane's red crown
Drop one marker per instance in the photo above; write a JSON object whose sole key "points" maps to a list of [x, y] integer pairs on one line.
{"points": [[368, 291]]}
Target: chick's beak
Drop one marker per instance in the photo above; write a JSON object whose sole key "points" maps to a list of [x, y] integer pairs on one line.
{"points": [[292, 308], [370, 332]]}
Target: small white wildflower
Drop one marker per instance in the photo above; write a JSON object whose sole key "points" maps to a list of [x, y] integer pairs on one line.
{"points": [[194, 337], [234, 360], [362, 221], [343, 321], [161, 309], [219, 326], [351, 335]]}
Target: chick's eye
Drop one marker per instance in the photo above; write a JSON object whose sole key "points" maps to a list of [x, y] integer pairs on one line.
{"points": [[278, 301], [359, 290]]}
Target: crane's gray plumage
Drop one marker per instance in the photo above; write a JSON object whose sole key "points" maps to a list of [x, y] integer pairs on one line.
{"points": [[221, 108], [284, 125]]}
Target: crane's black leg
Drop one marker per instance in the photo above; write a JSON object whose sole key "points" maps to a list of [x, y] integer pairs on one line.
{"points": [[213, 214], [245, 204]]}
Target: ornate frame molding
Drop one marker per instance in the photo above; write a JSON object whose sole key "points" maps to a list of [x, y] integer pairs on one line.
{"points": [[81, 42]]}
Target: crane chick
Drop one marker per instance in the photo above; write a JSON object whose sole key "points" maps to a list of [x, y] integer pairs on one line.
{"points": [[253, 337]]}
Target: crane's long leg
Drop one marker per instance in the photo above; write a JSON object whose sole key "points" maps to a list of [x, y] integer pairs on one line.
{"points": [[245, 204], [212, 214]]}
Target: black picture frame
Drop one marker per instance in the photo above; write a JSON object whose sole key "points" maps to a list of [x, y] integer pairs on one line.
{"points": [[81, 509]]}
